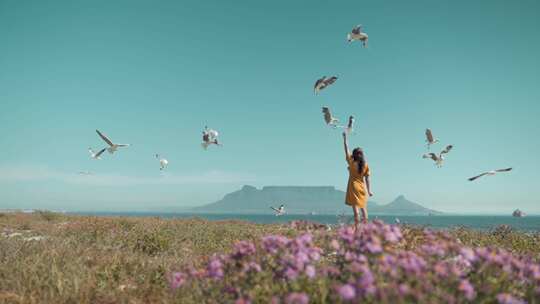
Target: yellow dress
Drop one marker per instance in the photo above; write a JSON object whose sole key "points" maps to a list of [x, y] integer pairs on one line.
{"points": [[356, 189]]}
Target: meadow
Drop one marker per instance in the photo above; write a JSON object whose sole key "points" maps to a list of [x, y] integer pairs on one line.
{"points": [[54, 258]]}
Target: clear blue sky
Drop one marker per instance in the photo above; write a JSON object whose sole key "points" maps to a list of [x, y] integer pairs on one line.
{"points": [[152, 74]]}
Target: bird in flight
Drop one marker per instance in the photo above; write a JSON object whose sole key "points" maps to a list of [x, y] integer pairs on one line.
{"points": [[490, 173], [162, 162], [328, 118], [323, 82], [279, 211], [85, 173], [430, 139], [112, 146], [210, 138], [438, 158], [350, 125], [357, 34], [95, 155]]}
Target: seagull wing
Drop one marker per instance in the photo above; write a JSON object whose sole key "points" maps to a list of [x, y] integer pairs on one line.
{"points": [[331, 80], [327, 115], [478, 176], [100, 152], [447, 149], [275, 209], [122, 145], [351, 122], [432, 155], [504, 170], [318, 82], [105, 138], [429, 136]]}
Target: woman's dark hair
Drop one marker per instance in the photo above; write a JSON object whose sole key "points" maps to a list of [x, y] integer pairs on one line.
{"points": [[358, 156]]}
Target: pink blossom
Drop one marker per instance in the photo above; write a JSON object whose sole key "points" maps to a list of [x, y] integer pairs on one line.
{"points": [[346, 292]]}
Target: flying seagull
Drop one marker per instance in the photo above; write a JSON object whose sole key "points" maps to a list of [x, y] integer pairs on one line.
{"points": [[85, 173], [350, 125], [438, 158], [328, 118], [430, 139], [490, 173], [210, 137], [357, 34], [162, 162], [113, 147], [279, 211], [95, 155], [323, 83]]}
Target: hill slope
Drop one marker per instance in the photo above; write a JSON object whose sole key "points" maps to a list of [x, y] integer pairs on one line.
{"points": [[302, 200]]}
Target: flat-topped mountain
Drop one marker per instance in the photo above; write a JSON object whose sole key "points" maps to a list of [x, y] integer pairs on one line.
{"points": [[303, 200]]}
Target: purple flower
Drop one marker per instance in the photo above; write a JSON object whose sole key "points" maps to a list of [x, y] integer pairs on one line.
{"points": [[242, 249], [290, 273], [468, 254], [467, 289], [506, 298], [177, 279], [272, 243], [403, 289], [310, 271], [242, 301], [215, 268], [346, 292], [297, 298]]}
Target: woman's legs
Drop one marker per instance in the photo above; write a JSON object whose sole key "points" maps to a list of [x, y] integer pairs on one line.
{"points": [[356, 222], [364, 215]]}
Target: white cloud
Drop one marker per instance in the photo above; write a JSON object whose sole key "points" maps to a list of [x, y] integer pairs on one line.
{"points": [[26, 173]]}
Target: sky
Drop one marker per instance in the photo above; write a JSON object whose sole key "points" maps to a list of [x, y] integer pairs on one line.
{"points": [[153, 74]]}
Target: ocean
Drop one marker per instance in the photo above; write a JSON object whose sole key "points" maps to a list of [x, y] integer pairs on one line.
{"points": [[481, 222]]}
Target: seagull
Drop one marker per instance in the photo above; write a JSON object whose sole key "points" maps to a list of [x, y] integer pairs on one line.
{"points": [[162, 162], [323, 83], [350, 125], [397, 221], [438, 159], [328, 118], [490, 173], [210, 138], [85, 172], [113, 147], [95, 155], [430, 139], [357, 34], [279, 211]]}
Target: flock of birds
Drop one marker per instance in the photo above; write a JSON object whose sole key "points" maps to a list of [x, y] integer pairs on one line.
{"points": [[439, 158], [210, 136]]}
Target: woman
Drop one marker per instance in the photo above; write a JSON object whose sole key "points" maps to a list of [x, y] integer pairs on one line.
{"points": [[357, 189]]}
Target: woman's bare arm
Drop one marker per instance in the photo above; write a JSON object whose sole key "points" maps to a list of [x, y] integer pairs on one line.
{"points": [[368, 185], [345, 145]]}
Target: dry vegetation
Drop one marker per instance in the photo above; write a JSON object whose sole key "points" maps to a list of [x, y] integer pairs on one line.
{"points": [[83, 259]]}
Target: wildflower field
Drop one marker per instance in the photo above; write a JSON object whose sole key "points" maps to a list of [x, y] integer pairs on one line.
{"points": [[52, 258]]}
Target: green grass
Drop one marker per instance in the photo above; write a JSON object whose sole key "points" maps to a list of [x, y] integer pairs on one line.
{"points": [[125, 260]]}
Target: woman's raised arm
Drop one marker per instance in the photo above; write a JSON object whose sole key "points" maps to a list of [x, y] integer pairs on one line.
{"points": [[345, 145]]}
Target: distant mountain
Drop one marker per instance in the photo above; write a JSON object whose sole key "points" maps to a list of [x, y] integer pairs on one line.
{"points": [[303, 200]]}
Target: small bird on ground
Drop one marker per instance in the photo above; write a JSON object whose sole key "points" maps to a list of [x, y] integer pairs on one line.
{"points": [[210, 138], [438, 158], [328, 118], [279, 211], [430, 139], [95, 155], [323, 82], [112, 146], [357, 34], [162, 162], [490, 173]]}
